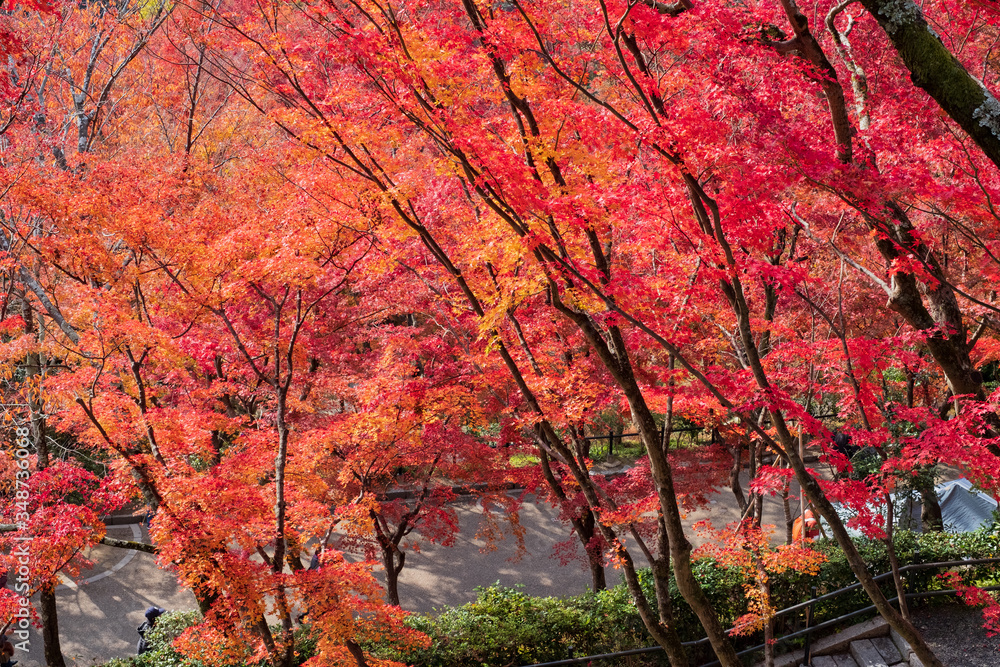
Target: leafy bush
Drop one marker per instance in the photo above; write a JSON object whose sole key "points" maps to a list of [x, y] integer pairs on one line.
{"points": [[507, 627], [170, 625]]}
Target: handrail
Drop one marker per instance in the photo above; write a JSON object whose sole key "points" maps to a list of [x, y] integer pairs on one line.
{"points": [[886, 575], [840, 619], [676, 429], [802, 605]]}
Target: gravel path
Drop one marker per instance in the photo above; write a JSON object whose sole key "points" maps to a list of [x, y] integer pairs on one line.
{"points": [[956, 634]]}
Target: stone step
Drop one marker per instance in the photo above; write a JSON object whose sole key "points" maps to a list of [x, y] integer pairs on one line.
{"points": [[866, 655], [840, 643], [909, 657], [888, 649], [824, 661], [901, 644], [869, 644], [844, 660]]}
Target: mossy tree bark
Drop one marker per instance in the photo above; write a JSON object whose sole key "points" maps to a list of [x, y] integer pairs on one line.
{"points": [[936, 70]]}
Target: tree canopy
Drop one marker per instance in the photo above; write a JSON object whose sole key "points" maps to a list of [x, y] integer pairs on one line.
{"points": [[266, 262]]}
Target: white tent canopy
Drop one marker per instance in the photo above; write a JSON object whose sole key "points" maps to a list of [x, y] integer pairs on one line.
{"points": [[963, 508]]}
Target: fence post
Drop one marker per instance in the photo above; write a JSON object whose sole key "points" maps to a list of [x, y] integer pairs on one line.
{"points": [[809, 615], [611, 442]]}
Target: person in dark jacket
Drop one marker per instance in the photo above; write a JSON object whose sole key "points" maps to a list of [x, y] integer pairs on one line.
{"points": [[842, 443], [7, 650], [152, 614]]}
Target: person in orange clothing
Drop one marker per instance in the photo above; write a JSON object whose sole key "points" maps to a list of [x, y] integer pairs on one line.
{"points": [[812, 526]]}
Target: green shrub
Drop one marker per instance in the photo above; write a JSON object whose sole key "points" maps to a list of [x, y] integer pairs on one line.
{"points": [[170, 625], [160, 638], [507, 627], [504, 626]]}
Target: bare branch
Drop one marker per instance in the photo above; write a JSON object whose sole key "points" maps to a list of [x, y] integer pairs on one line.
{"points": [[50, 307], [129, 544], [859, 81], [110, 541], [805, 227], [670, 9]]}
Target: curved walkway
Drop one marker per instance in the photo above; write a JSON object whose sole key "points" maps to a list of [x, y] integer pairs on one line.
{"points": [[98, 615]]}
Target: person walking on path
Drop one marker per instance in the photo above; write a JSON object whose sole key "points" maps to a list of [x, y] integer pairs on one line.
{"points": [[7, 650], [152, 614]]}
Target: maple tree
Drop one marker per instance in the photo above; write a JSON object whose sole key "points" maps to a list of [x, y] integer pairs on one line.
{"points": [[407, 447], [543, 86], [119, 362], [748, 550], [191, 369], [674, 210]]}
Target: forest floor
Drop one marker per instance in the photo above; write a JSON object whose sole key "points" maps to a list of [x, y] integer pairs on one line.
{"points": [[956, 634]]}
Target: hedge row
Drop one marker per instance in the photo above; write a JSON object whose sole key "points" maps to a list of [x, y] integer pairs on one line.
{"points": [[504, 627]]}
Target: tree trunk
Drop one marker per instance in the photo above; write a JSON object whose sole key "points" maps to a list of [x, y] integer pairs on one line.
{"points": [[204, 595], [764, 586], [584, 527], [283, 655], [890, 547], [356, 653], [734, 476], [595, 559], [756, 499], [662, 631], [50, 627], [613, 355], [264, 632], [941, 318], [283, 652], [809, 485], [393, 559], [934, 69], [47, 595], [822, 505], [661, 574], [663, 634], [930, 509], [786, 506], [548, 437], [293, 557]]}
